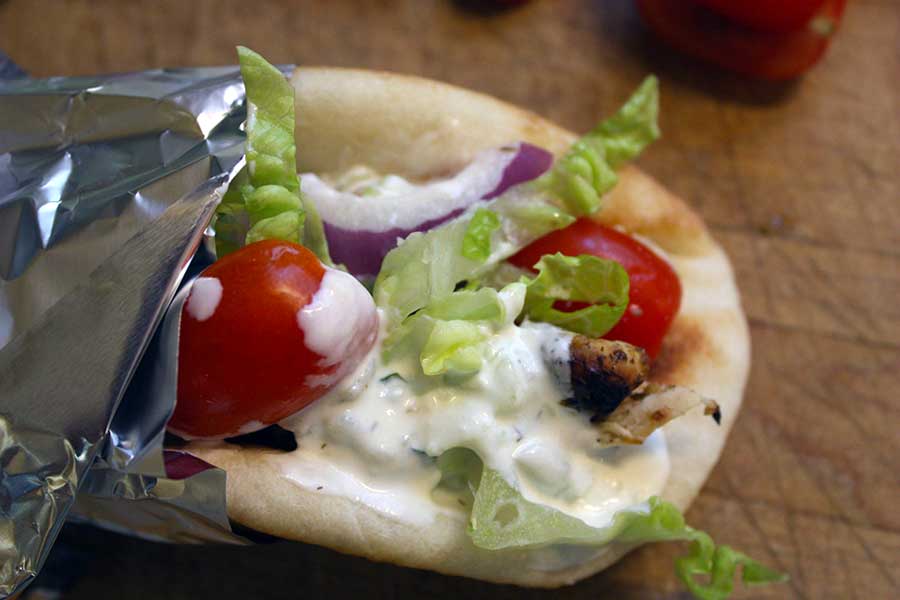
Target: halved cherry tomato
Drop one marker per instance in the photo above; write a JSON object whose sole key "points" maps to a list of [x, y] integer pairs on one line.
{"points": [[753, 43], [243, 359], [654, 291]]}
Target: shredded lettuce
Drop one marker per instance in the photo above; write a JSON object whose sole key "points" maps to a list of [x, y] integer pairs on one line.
{"points": [[485, 304], [448, 336], [634, 127], [477, 240], [231, 221], [465, 305], [427, 266], [537, 218], [283, 226], [600, 282], [718, 564], [272, 188], [424, 267], [587, 170], [581, 177], [502, 518], [271, 155], [264, 200], [453, 347], [269, 201]]}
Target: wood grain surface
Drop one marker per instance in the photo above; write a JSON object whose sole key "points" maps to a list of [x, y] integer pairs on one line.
{"points": [[799, 182]]}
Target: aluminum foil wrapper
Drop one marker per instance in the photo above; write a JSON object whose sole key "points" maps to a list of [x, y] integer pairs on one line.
{"points": [[106, 187]]}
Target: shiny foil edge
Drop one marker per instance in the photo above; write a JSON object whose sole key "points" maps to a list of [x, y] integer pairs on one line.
{"points": [[195, 506]]}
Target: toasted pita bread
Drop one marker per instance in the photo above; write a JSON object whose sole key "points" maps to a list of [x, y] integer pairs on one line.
{"points": [[421, 128]]}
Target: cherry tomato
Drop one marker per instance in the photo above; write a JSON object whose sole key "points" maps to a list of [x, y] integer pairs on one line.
{"points": [[767, 52], [767, 15], [654, 291], [244, 361]]}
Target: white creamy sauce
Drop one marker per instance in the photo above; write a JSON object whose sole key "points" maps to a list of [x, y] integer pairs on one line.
{"points": [[340, 313], [402, 204], [374, 437], [555, 350], [206, 294]]}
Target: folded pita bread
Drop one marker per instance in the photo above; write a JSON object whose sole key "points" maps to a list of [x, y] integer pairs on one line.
{"points": [[420, 128]]}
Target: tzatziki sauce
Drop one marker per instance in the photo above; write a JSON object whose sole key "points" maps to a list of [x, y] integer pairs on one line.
{"points": [[375, 437]]}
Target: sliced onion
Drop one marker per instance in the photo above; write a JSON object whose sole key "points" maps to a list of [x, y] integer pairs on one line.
{"points": [[362, 251], [530, 162], [362, 230]]}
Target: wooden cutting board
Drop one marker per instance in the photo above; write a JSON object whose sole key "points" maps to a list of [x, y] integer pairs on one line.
{"points": [[800, 183]]}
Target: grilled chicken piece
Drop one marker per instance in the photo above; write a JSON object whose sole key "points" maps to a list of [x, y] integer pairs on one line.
{"points": [[608, 381], [603, 373], [651, 407]]}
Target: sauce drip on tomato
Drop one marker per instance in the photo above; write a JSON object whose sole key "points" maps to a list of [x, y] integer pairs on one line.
{"points": [[247, 356]]}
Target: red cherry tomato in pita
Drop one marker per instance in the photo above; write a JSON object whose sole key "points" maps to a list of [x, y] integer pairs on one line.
{"points": [[654, 291], [753, 44], [253, 345]]}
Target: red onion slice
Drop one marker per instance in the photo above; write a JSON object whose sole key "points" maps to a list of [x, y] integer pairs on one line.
{"points": [[362, 251], [181, 465], [362, 230], [530, 162]]}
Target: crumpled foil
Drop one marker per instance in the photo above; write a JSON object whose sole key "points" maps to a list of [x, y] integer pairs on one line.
{"points": [[89, 168]]}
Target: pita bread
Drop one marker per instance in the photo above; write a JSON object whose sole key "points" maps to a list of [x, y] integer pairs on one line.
{"points": [[420, 128]]}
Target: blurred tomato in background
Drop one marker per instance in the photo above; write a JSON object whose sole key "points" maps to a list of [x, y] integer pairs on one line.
{"points": [[769, 39]]}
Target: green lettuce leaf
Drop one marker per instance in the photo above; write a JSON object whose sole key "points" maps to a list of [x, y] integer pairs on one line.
{"points": [[477, 239], [271, 155], [422, 268], [485, 304], [600, 282], [538, 218], [581, 177], [634, 127], [426, 266], [283, 226], [453, 347], [273, 188], [270, 200], [447, 337], [264, 199], [718, 565], [231, 219], [587, 171], [314, 232], [502, 518]]}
